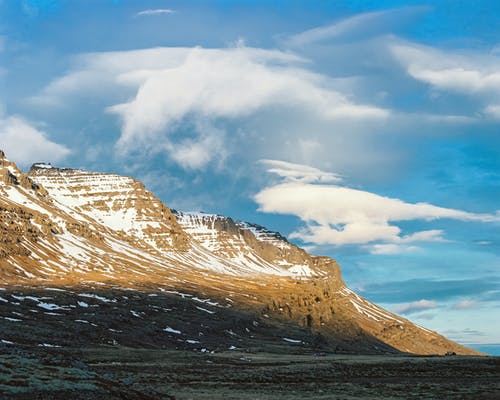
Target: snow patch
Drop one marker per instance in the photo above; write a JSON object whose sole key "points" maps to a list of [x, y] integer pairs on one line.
{"points": [[172, 330], [292, 340]]}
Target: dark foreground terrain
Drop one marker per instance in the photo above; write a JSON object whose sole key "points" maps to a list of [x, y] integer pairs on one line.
{"points": [[115, 372], [88, 343]]}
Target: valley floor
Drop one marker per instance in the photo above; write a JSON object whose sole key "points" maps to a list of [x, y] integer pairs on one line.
{"points": [[117, 372]]}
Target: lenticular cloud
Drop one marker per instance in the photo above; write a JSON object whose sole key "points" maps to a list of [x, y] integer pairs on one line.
{"points": [[339, 215]]}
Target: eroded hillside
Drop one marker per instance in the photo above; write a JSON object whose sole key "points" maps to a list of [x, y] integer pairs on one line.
{"points": [[149, 275]]}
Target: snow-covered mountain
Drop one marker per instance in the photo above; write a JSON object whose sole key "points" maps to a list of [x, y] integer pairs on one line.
{"points": [[248, 245], [73, 230]]}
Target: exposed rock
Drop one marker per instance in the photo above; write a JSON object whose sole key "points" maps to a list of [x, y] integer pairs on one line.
{"points": [[69, 227]]}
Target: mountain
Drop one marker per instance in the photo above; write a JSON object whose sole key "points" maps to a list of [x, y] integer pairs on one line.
{"points": [[92, 258]]}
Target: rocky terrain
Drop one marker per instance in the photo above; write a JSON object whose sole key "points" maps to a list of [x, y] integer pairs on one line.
{"points": [[96, 258], [105, 292]]}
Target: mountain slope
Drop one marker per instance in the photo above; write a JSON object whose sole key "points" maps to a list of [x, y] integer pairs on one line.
{"points": [[69, 234]]}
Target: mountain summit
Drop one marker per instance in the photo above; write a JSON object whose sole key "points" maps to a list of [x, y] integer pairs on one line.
{"points": [[97, 258]]}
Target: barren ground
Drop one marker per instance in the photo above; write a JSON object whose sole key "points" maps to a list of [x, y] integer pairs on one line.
{"points": [[115, 372]]}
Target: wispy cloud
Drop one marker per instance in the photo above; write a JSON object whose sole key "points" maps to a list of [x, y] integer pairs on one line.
{"points": [[157, 11], [473, 74], [414, 306], [466, 335], [298, 172], [359, 26], [439, 290], [493, 110], [391, 248], [465, 304], [339, 215]]}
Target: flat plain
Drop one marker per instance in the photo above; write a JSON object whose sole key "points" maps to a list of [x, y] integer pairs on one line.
{"points": [[116, 372]]}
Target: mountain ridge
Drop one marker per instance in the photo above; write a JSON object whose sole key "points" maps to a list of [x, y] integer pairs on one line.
{"points": [[80, 230]]}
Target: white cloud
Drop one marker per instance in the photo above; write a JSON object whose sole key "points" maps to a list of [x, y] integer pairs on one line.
{"points": [[25, 144], [230, 83], [338, 215], [170, 87], [433, 235], [469, 73], [390, 248], [299, 172], [403, 244], [458, 79], [197, 152], [103, 74], [158, 11], [269, 100], [415, 306]]}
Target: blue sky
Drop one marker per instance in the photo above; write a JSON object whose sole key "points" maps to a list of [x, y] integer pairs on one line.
{"points": [[364, 130]]}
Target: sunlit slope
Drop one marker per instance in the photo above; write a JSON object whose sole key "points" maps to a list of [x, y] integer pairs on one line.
{"points": [[78, 229]]}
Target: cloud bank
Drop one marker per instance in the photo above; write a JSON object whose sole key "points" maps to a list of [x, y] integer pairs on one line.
{"points": [[184, 92], [339, 215], [234, 83]]}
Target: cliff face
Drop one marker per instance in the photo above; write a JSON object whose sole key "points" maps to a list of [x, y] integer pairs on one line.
{"points": [[319, 298], [252, 245], [76, 229], [120, 204]]}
